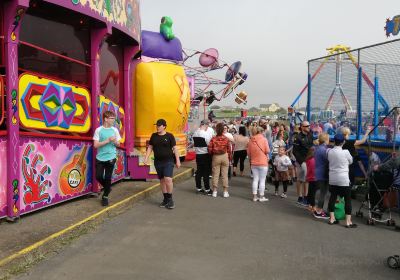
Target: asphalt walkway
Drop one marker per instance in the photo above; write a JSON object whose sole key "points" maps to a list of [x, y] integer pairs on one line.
{"points": [[224, 238]]}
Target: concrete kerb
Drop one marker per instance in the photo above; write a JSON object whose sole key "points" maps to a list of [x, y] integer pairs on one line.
{"points": [[27, 257]]}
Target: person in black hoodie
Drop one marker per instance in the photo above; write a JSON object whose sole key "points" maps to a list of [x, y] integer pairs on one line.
{"points": [[302, 143]]}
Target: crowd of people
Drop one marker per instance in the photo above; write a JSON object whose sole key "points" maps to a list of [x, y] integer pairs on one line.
{"points": [[303, 158]]}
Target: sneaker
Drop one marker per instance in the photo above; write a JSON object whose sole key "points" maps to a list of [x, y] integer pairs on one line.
{"points": [[104, 201], [255, 199], [283, 195], [263, 198], [170, 204], [321, 215], [276, 193], [226, 194], [200, 191], [300, 200], [304, 202], [214, 194], [163, 203], [208, 192]]}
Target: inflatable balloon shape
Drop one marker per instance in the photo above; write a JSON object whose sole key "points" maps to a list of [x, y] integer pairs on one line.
{"points": [[166, 28], [241, 97], [209, 57]]}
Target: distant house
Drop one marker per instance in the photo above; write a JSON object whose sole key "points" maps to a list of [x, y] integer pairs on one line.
{"points": [[273, 107]]}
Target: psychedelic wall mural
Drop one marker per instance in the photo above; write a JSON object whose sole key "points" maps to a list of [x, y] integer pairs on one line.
{"points": [[106, 104], [47, 179], [3, 177], [52, 105], [120, 167], [122, 12], [1, 99]]}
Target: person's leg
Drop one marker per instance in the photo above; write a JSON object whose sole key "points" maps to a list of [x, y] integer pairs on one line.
{"points": [[108, 170], [206, 177], [199, 172], [299, 182], [285, 184], [311, 194], [254, 185], [263, 175], [243, 156], [347, 205], [169, 186], [100, 168], [323, 189], [331, 204], [236, 157], [224, 173], [216, 169]]}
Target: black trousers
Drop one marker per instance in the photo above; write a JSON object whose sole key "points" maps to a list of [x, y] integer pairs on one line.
{"points": [[104, 171], [239, 156], [313, 187], [342, 192], [203, 171]]}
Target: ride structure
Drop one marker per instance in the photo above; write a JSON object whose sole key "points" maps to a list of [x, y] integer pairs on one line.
{"points": [[62, 64]]}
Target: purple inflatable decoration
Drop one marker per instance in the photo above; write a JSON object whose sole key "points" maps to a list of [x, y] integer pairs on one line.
{"points": [[154, 45]]}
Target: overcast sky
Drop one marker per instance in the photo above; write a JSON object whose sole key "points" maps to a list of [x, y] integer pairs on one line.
{"points": [[273, 39]]}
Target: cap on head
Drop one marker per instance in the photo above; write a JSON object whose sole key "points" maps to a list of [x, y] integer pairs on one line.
{"points": [[205, 122], [161, 122], [305, 123]]}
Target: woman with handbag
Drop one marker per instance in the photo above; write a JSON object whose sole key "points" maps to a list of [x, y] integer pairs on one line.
{"points": [[258, 150]]}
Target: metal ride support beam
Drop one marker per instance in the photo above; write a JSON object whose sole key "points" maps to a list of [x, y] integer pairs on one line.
{"points": [[376, 100], [359, 104], [309, 98]]}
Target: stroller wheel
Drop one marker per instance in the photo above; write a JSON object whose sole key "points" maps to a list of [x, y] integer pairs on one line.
{"points": [[393, 262], [370, 222], [359, 214], [392, 223]]}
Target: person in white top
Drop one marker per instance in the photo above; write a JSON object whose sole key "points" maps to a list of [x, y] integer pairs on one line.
{"points": [[282, 163], [240, 151], [203, 158], [339, 181]]}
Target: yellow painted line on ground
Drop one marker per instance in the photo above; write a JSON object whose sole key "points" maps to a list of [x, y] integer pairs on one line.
{"points": [[70, 228]]}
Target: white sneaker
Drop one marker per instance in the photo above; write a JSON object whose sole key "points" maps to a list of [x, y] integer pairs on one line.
{"points": [[276, 194], [283, 195], [255, 199], [262, 199], [226, 194], [214, 194]]}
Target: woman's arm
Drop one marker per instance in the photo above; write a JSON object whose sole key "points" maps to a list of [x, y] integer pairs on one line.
{"points": [[363, 140]]}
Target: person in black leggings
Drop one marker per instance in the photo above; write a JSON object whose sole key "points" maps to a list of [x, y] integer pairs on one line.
{"points": [[339, 182], [240, 151]]}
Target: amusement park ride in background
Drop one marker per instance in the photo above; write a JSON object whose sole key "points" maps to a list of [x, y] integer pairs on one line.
{"points": [[340, 53], [208, 87]]}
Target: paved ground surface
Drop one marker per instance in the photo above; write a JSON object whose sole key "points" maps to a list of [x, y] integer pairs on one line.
{"points": [[34, 227], [219, 238]]}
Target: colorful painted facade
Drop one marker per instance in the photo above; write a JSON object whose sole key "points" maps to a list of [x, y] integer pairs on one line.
{"points": [[61, 72]]}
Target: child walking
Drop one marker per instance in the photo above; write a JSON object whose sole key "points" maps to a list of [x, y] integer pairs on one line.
{"points": [[106, 140], [282, 163]]}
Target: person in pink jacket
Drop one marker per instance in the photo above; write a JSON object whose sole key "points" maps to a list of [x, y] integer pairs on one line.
{"points": [[258, 151]]}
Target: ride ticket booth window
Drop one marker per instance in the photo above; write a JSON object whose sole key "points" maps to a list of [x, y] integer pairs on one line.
{"points": [[56, 43], [111, 63]]}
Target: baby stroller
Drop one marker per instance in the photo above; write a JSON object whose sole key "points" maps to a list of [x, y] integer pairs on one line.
{"points": [[380, 186]]}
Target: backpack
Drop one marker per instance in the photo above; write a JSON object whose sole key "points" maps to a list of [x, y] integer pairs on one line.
{"points": [[219, 145]]}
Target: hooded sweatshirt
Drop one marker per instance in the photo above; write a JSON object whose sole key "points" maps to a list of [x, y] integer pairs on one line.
{"points": [[258, 150]]}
